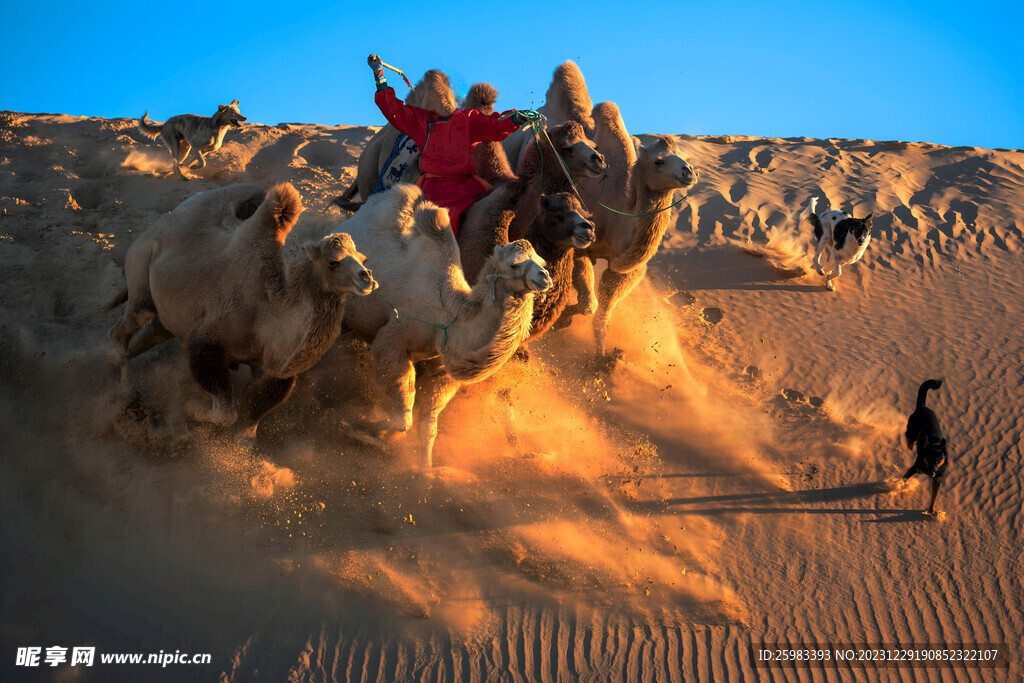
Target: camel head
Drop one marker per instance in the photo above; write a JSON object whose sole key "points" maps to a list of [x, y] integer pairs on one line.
{"points": [[579, 152], [228, 114], [519, 265], [433, 93], [565, 222], [664, 167], [339, 266]]}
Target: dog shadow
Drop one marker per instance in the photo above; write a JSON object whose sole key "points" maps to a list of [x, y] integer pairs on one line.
{"points": [[776, 502], [729, 267], [904, 516]]}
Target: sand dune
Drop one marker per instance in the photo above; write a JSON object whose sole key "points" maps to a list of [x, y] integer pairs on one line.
{"points": [[727, 485]]}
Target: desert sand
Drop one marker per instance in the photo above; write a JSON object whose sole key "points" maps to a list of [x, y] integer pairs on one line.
{"points": [[728, 484]]}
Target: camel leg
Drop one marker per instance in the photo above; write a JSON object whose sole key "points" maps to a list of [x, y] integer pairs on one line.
{"points": [[152, 335], [263, 395], [397, 377], [435, 389], [613, 289], [209, 366], [134, 318], [586, 300]]}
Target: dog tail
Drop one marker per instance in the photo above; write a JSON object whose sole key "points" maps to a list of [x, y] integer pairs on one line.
{"points": [[121, 297], [922, 393], [147, 128], [810, 215]]}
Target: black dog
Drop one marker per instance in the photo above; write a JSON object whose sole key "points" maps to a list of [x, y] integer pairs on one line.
{"points": [[924, 431]]}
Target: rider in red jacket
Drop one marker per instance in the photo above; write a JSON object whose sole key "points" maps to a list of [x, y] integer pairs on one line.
{"points": [[445, 144]]}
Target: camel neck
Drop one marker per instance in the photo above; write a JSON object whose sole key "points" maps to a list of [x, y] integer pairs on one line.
{"points": [[553, 179], [652, 219], [320, 318], [493, 321], [542, 242], [303, 284]]}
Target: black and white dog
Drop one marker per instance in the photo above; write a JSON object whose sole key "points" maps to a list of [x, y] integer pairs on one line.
{"points": [[924, 432], [842, 238]]}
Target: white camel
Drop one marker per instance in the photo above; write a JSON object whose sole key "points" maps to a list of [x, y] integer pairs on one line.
{"points": [[426, 311]]}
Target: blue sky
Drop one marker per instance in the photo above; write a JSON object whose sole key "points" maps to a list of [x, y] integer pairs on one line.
{"points": [[944, 72]]}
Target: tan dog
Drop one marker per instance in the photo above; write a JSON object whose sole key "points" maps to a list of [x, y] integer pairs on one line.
{"points": [[185, 132]]}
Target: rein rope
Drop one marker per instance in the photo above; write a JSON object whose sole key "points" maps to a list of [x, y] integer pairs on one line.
{"points": [[444, 339], [537, 128]]}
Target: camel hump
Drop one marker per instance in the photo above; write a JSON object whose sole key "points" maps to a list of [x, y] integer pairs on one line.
{"points": [[569, 77], [610, 133], [607, 114], [568, 94], [481, 96], [276, 216], [432, 220], [434, 93], [286, 205]]}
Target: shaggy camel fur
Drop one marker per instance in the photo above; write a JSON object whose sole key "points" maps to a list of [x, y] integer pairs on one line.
{"points": [[432, 92], [567, 99], [640, 182], [212, 274], [562, 227], [410, 242], [507, 212]]}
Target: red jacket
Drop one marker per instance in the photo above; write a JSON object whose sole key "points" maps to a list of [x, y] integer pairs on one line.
{"points": [[445, 145]]}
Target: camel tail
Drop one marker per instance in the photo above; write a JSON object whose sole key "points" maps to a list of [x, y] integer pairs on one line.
{"points": [[922, 393], [810, 216], [147, 127], [121, 297]]}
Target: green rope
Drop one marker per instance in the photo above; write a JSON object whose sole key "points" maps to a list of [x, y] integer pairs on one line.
{"points": [[444, 340], [537, 126], [637, 215]]}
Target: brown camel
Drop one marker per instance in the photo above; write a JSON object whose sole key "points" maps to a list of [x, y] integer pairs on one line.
{"points": [[426, 311], [212, 273], [507, 212], [562, 228], [567, 99], [641, 183]]}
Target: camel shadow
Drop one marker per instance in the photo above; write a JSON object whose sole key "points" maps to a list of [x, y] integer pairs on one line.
{"points": [[728, 267], [783, 502]]}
